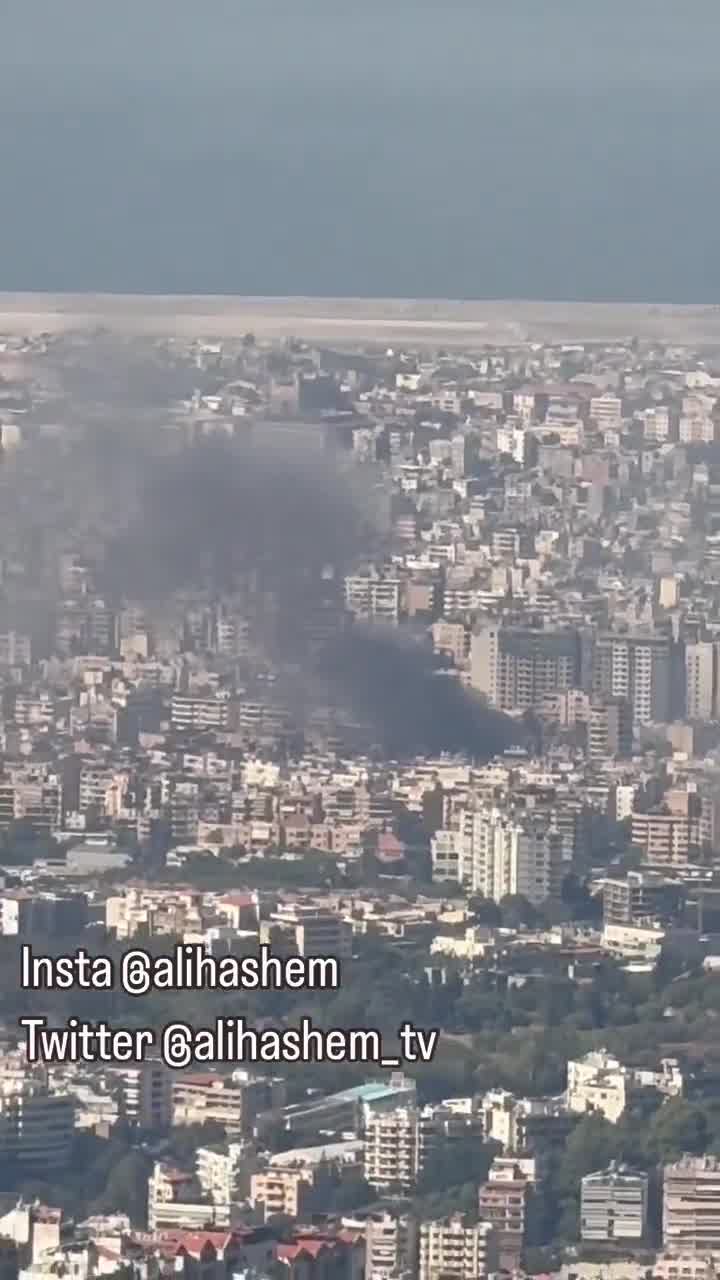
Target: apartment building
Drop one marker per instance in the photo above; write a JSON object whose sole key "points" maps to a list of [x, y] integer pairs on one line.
{"points": [[31, 793], [453, 1248], [517, 668], [502, 1201], [42, 915], [34, 707], [147, 1095], [224, 1175], [198, 1098], [503, 852], [141, 910], [95, 789], [665, 839], [36, 1126], [396, 1146], [376, 597], [656, 424], [610, 728], [641, 944], [691, 1206], [311, 931], [391, 1246], [175, 1201], [676, 1267], [639, 895], [282, 1190], [637, 668], [15, 649], [199, 711], [702, 680], [614, 1206], [525, 1124], [451, 640], [598, 1082]]}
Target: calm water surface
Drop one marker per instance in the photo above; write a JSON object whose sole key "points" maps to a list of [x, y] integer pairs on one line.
{"points": [[452, 148]]}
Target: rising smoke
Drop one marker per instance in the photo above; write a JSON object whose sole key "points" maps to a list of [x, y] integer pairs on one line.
{"points": [[254, 513], [224, 511], [413, 706]]}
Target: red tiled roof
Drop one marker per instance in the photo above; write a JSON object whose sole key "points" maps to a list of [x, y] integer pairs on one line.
{"points": [[288, 1252], [194, 1242]]}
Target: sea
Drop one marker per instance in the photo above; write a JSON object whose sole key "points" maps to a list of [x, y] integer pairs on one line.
{"points": [[545, 149]]}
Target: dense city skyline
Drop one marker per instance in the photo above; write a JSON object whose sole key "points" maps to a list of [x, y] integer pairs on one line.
{"points": [[359, 640], [401, 659]]}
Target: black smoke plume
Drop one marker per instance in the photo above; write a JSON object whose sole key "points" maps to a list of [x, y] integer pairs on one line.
{"points": [[223, 511], [412, 706]]}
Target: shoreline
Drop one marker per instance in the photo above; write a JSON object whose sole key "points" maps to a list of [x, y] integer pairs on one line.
{"points": [[357, 320]]}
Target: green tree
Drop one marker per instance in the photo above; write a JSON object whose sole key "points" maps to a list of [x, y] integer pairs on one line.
{"points": [[456, 1161], [518, 911], [677, 1127], [485, 911], [185, 1139], [591, 1147], [126, 1189]]}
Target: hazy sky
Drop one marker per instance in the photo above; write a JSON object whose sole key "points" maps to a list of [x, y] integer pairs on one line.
{"points": [[458, 148]]}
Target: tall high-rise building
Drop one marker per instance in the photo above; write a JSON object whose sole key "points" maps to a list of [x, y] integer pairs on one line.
{"points": [[637, 668], [515, 668], [503, 853], [702, 680]]}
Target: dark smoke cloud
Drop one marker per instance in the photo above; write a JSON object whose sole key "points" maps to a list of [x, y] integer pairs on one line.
{"points": [[413, 708], [223, 511], [263, 512], [105, 375]]}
